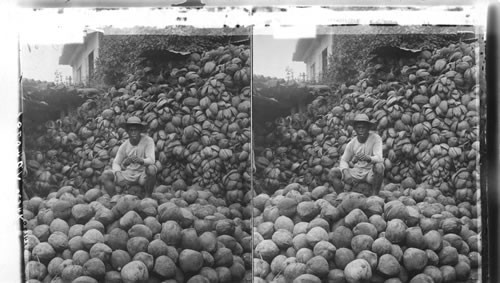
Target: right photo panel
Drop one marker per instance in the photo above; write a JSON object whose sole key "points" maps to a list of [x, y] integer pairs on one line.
{"points": [[367, 146]]}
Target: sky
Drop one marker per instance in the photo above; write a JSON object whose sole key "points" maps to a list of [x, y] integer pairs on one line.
{"points": [[41, 61], [271, 56]]}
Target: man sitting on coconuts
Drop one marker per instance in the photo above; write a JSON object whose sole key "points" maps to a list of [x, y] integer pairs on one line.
{"points": [[134, 161], [361, 167]]}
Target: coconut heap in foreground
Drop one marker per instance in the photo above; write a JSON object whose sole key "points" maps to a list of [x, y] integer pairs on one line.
{"points": [[424, 226], [196, 225]]}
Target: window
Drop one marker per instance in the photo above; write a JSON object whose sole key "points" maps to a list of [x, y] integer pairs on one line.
{"points": [[79, 75], [324, 60], [313, 72], [91, 64]]}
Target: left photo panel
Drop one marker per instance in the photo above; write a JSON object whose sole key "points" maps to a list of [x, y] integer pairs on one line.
{"points": [[137, 145]]}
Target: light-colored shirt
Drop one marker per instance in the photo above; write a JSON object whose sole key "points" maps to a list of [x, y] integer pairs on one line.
{"points": [[145, 149], [371, 147]]}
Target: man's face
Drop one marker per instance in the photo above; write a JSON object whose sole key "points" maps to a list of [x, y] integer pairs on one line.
{"points": [[362, 130], [134, 134]]}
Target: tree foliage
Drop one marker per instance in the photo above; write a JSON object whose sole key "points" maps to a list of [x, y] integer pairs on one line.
{"points": [[120, 55], [351, 52]]}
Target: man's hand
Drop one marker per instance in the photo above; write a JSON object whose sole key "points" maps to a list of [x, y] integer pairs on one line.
{"points": [[360, 156], [127, 161], [366, 158], [355, 159], [136, 159], [140, 161], [132, 159]]}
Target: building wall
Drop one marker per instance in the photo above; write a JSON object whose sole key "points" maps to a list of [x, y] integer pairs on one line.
{"points": [[314, 62], [81, 62]]}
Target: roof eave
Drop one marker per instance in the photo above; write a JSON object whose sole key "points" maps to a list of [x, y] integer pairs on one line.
{"points": [[69, 50], [301, 49]]}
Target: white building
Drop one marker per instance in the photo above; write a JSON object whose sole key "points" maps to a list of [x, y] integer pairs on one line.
{"points": [[314, 52], [170, 41], [82, 57]]}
